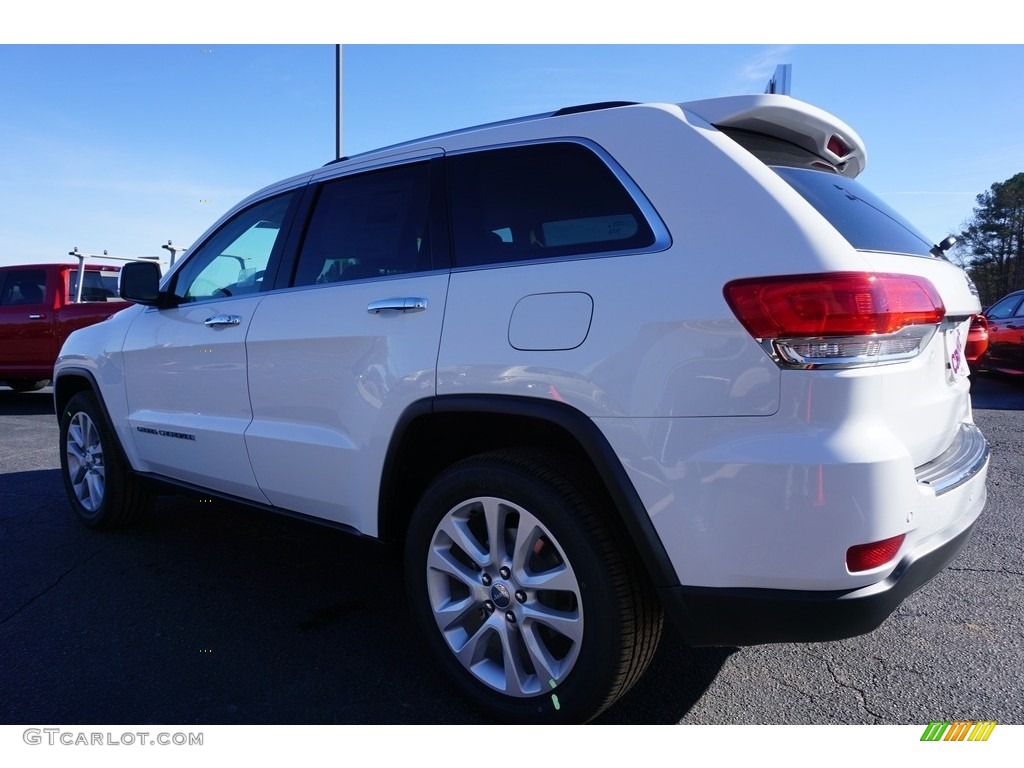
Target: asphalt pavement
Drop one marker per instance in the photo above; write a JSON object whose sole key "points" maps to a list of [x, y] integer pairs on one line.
{"points": [[209, 613]]}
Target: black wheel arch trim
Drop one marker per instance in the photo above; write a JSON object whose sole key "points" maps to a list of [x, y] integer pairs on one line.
{"points": [[625, 499], [61, 398]]}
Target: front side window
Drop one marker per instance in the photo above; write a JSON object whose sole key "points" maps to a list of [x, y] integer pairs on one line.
{"points": [[24, 286], [369, 225], [232, 262], [540, 201]]}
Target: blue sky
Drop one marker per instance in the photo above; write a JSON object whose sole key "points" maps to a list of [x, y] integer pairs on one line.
{"points": [[124, 146]]}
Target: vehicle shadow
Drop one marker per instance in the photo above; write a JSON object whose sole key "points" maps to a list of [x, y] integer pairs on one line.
{"points": [[225, 615], [26, 403], [676, 680], [997, 392]]}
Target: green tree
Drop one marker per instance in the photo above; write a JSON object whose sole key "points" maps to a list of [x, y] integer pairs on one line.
{"points": [[992, 243]]}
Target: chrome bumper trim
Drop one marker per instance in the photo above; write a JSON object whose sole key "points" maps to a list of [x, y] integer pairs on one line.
{"points": [[965, 458]]}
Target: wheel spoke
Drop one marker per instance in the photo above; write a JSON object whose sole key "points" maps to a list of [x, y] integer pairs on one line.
{"points": [[495, 512], [566, 623], [95, 480], [559, 579], [516, 677], [547, 667], [457, 530], [75, 438], [455, 613], [444, 562]]}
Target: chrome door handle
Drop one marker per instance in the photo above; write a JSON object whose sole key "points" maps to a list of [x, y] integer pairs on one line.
{"points": [[36, 317], [398, 304], [223, 320]]}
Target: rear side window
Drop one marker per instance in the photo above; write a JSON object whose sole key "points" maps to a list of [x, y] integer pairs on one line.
{"points": [[540, 201], [866, 222]]}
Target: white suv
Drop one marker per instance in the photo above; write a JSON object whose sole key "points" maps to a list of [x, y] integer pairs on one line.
{"points": [[591, 367]]}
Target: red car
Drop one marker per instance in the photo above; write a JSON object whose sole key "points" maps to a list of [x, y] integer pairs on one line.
{"points": [[1006, 335]]}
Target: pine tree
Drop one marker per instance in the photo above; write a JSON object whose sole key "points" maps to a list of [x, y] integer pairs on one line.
{"points": [[992, 242]]}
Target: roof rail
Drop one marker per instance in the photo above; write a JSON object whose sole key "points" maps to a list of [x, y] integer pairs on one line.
{"points": [[592, 107]]}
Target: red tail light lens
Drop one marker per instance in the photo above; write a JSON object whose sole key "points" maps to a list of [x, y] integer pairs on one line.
{"points": [[844, 318], [833, 304], [864, 557]]}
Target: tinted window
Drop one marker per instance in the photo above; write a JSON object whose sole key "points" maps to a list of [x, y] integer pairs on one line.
{"points": [[540, 201], [99, 286], [370, 225], [1004, 309], [24, 286], [866, 222]]}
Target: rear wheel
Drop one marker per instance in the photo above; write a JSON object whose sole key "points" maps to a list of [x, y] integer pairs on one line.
{"points": [[100, 486], [516, 577]]}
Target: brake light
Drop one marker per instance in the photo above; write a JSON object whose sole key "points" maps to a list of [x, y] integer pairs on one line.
{"points": [[838, 318], [864, 557], [837, 146]]}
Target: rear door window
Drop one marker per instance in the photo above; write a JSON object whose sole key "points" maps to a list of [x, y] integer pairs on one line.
{"points": [[541, 201], [374, 224]]}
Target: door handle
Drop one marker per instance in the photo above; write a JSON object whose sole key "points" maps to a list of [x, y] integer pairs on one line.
{"points": [[398, 304], [36, 317], [218, 320]]}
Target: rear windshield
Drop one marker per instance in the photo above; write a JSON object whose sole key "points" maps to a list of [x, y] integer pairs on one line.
{"points": [[99, 286], [866, 222]]}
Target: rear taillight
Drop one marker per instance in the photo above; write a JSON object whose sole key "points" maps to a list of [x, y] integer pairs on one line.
{"points": [[838, 319], [865, 557]]}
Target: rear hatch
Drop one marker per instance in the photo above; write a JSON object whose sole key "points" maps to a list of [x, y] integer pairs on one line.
{"points": [[923, 398]]}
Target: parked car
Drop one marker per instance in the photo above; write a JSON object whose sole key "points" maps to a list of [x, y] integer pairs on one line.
{"points": [[977, 339], [39, 308], [590, 367], [1005, 335]]}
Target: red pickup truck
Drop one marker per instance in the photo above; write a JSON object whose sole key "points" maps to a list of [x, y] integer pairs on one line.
{"points": [[40, 305]]}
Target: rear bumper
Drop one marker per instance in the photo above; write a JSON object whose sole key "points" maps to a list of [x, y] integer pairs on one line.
{"points": [[722, 616]]}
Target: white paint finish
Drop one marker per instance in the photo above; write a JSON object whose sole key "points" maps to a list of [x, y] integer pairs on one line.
{"points": [[775, 503], [328, 381], [659, 344], [183, 376]]}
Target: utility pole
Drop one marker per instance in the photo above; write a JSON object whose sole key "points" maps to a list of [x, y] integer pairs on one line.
{"points": [[337, 102]]}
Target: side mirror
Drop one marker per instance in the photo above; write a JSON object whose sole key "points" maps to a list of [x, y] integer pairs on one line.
{"points": [[139, 282]]}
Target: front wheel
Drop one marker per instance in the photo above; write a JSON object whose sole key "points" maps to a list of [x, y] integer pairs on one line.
{"points": [[519, 582], [99, 484]]}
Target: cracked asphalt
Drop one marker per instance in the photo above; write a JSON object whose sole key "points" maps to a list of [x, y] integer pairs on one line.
{"points": [[213, 614]]}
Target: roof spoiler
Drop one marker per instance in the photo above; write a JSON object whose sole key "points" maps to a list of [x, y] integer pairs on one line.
{"points": [[789, 119]]}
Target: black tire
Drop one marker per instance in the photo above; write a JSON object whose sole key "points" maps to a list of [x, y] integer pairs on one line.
{"points": [[26, 385], [99, 484], [520, 651]]}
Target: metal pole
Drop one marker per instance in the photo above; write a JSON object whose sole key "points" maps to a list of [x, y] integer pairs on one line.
{"points": [[337, 102]]}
